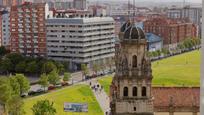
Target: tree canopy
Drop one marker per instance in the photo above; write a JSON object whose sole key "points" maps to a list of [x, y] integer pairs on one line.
{"points": [[44, 107]]}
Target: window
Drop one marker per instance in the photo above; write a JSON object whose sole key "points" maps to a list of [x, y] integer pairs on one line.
{"points": [[134, 91], [125, 91], [135, 109], [134, 61], [144, 91]]}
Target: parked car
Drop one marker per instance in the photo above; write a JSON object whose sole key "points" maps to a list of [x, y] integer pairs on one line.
{"points": [[58, 85], [39, 91], [65, 84], [31, 93], [24, 94], [51, 87]]}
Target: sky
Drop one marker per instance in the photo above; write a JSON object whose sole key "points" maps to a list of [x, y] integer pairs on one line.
{"points": [[194, 1]]}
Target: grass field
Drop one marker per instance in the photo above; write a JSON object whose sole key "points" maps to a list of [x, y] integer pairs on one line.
{"points": [[178, 70], [78, 93]]}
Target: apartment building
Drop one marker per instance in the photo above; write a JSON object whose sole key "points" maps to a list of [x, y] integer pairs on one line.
{"points": [[28, 29], [79, 41], [12, 2], [5, 36], [193, 14], [65, 4], [171, 31]]}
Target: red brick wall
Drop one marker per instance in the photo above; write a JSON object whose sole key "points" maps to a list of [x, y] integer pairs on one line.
{"points": [[170, 31], [39, 29]]}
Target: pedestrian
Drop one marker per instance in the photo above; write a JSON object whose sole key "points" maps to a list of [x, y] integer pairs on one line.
{"points": [[90, 83], [106, 112]]}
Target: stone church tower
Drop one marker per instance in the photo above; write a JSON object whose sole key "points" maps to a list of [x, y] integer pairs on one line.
{"points": [[130, 90]]}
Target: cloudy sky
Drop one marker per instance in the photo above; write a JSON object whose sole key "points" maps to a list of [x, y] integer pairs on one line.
{"points": [[195, 1]]}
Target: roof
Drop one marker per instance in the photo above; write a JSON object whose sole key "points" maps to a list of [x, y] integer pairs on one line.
{"points": [[179, 97], [80, 20], [134, 32], [152, 38]]}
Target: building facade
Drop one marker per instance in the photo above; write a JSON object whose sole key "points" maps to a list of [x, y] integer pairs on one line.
{"points": [[80, 40], [28, 29], [154, 42], [193, 14], [5, 28], [173, 32], [65, 4], [12, 2], [130, 90]]}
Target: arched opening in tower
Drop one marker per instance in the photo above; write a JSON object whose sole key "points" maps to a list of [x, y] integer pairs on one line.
{"points": [[134, 61]]}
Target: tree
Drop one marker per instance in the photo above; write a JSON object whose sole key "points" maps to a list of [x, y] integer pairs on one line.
{"points": [[53, 77], [84, 69], [20, 67], [155, 53], [66, 76], [23, 82], [3, 51], [43, 81], [40, 62], [102, 66], [66, 65], [15, 58], [96, 68], [15, 86], [158, 52], [32, 67], [48, 67], [60, 67], [6, 65], [149, 54], [5, 91], [44, 107], [15, 106]]}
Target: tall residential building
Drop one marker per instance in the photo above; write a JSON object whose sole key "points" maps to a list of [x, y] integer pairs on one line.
{"points": [[1, 28], [12, 2], [28, 29], [80, 40], [5, 28]]}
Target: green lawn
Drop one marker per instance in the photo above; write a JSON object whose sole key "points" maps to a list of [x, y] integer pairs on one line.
{"points": [[78, 93], [179, 70]]}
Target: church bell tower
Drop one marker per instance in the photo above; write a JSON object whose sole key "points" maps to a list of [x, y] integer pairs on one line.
{"points": [[130, 90]]}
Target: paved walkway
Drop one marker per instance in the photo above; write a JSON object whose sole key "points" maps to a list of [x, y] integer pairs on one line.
{"points": [[101, 96]]}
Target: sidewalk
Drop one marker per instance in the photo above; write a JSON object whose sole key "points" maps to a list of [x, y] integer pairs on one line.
{"points": [[101, 97]]}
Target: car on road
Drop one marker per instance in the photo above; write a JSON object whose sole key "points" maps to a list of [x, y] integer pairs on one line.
{"points": [[24, 94]]}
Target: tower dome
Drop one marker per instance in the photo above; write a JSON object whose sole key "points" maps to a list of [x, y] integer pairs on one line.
{"points": [[134, 32], [125, 26]]}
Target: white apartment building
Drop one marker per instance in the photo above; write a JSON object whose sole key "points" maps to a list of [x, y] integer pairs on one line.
{"points": [[5, 29], [80, 40]]}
